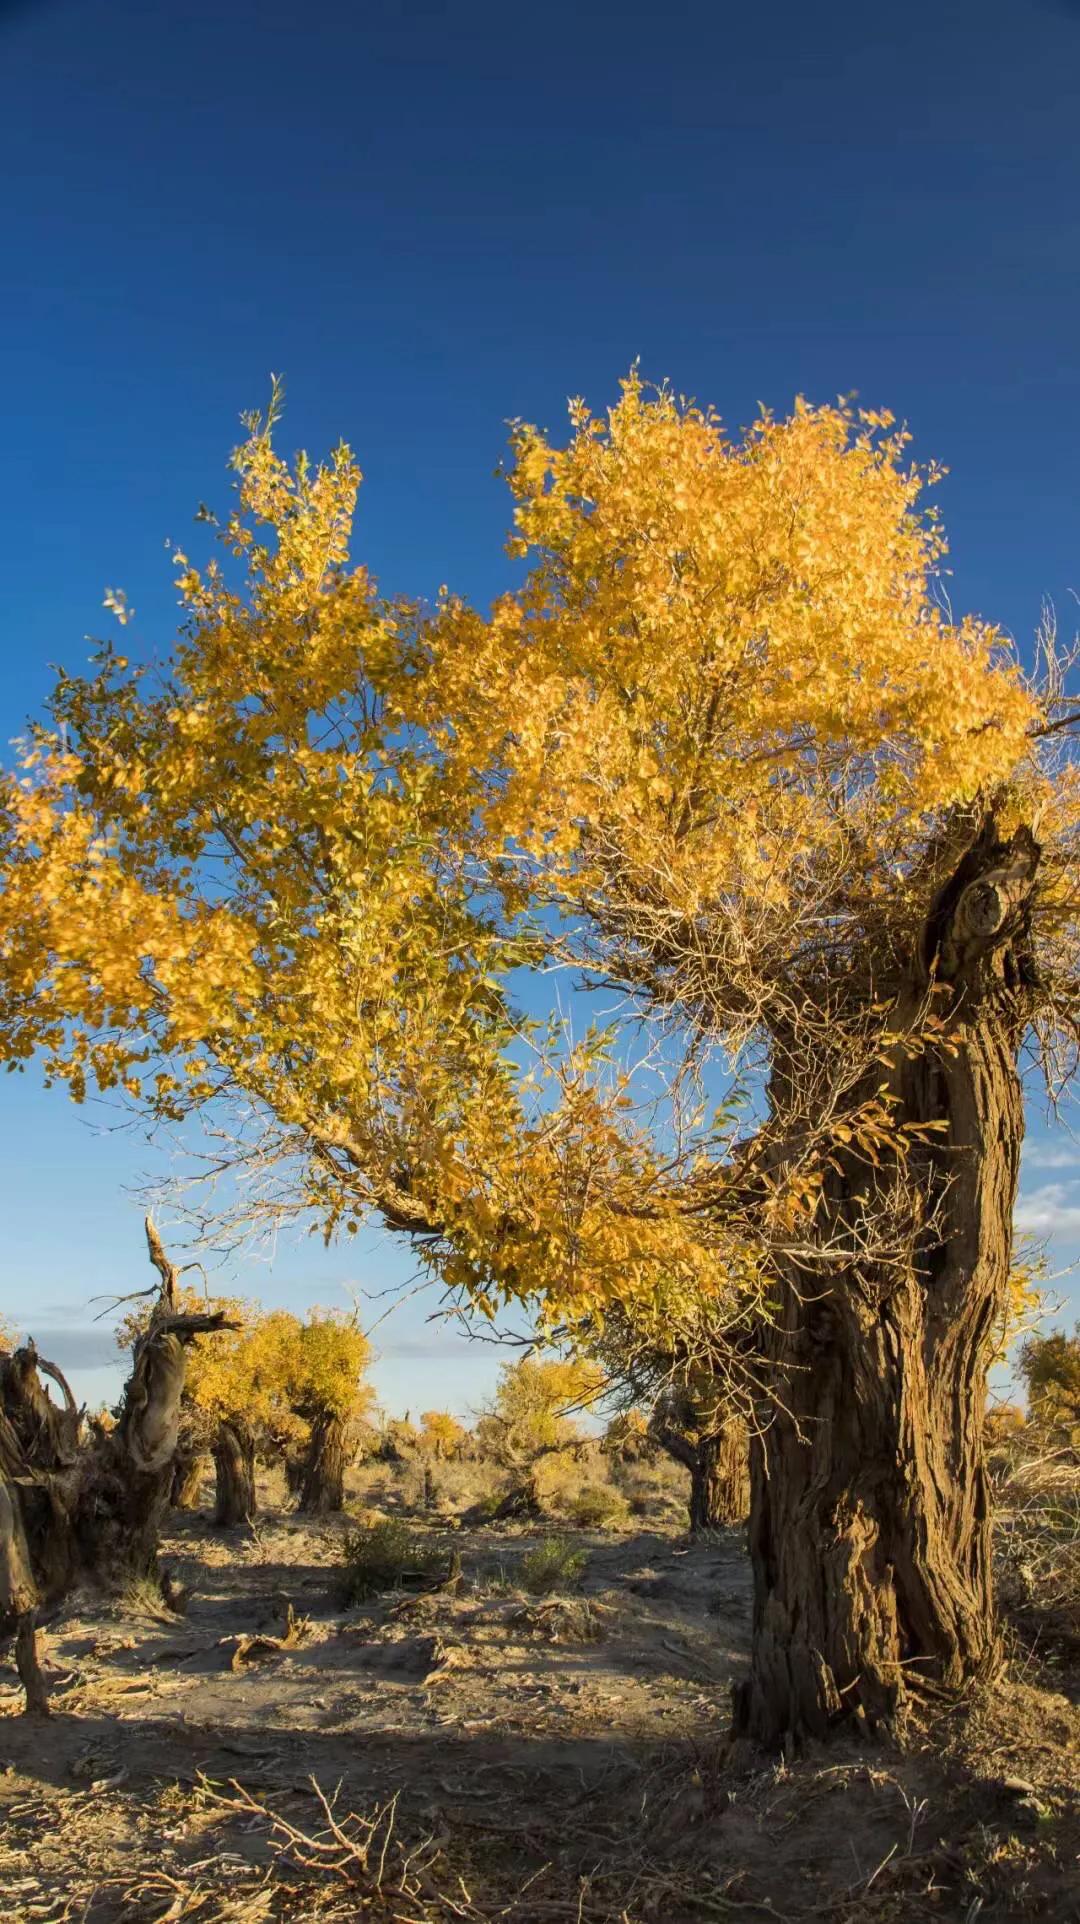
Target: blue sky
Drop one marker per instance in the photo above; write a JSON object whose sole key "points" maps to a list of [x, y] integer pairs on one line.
{"points": [[432, 218]]}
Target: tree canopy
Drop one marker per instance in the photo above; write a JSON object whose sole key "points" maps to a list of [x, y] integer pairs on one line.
{"points": [[719, 726], [536, 1404], [442, 1435], [270, 1371]]}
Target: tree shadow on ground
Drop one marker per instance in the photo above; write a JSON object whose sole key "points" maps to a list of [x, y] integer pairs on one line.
{"points": [[665, 1831]]}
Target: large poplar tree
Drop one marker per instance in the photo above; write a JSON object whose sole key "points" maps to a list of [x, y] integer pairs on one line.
{"points": [[726, 749]]}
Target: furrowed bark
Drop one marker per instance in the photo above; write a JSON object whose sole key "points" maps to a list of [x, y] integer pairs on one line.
{"points": [[234, 1470], [321, 1483], [720, 1480], [870, 1520], [126, 1487]]}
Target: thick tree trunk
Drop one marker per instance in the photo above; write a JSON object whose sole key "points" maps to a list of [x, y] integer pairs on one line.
{"points": [[720, 1479], [870, 1528], [322, 1482], [294, 1463], [187, 1479], [19, 1593], [234, 1470], [119, 1518]]}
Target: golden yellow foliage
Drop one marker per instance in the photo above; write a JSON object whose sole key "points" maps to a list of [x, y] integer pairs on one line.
{"points": [[442, 1435], [1025, 1305], [271, 1371], [722, 648], [537, 1401], [724, 712]]}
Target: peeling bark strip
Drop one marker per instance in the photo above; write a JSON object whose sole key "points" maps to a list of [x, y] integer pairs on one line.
{"points": [[70, 1506], [870, 1517]]}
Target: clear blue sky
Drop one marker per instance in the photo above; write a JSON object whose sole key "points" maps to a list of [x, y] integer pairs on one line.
{"points": [[434, 217]]}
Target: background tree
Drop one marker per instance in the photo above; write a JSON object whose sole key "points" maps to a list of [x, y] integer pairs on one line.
{"points": [[324, 1388], [724, 750], [442, 1435], [691, 1421], [399, 1439], [232, 1395], [1050, 1367], [533, 1417], [627, 1437], [1003, 1420], [279, 1385], [690, 1366]]}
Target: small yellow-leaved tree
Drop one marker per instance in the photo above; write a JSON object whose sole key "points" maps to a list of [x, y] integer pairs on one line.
{"points": [[277, 1384], [1050, 1367], [327, 1392], [442, 1436], [534, 1418]]}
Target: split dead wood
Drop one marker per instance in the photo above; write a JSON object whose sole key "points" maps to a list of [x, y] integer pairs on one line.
{"points": [[80, 1503], [250, 1647]]}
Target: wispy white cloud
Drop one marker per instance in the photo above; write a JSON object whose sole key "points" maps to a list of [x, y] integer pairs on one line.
{"points": [[1051, 1155], [1049, 1211], [73, 1348]]}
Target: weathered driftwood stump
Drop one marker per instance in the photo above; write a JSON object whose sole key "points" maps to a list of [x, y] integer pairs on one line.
{"points": [[79, 1501]]}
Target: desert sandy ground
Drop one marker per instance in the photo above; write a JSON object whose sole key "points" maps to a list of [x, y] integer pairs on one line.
{"points": [[551, 1758]]}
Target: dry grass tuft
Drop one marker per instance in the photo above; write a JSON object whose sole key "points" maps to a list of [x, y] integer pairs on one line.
{"points": [[1037, 1543], [385, 1556], [145, 1597], [555, 1564]]}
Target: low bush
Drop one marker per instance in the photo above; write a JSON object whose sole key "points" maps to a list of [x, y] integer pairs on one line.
{"points": [[383, 1556], [487, 1507], [596, 1506], [655, 1492], [554, 1564]]}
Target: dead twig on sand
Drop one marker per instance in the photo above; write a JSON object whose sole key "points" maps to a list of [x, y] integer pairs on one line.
{"points": [[364, 1854]]}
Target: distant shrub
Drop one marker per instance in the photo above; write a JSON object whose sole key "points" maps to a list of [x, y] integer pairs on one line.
{"points": [[381, 1556], [596, 1506], [486, 1507], [398, 1441], [1002, 1422], [654, 1491], [1050, 1367], [555, 1564]]}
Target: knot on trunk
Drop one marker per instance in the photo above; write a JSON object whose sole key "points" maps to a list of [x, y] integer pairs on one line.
{"points": [[984, 908]]}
